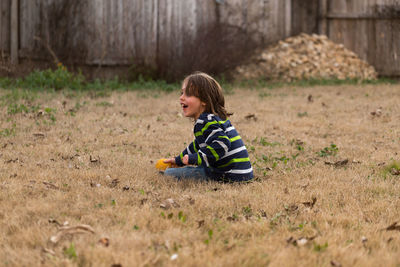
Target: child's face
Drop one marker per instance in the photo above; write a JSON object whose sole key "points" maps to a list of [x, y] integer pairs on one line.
{"points": [[192, 106]]}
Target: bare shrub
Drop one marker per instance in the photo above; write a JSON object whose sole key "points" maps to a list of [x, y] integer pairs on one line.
{"points": [[215, 49], [63, 31]]}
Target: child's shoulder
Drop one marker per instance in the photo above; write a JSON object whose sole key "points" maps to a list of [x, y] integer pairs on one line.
{"points": [[208, 120], [207, 117]]}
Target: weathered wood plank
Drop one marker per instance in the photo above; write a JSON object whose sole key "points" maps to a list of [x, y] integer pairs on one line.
{"points": [[370, 29], [5, 26], [304, 16], [388, 47], [14, 32]]}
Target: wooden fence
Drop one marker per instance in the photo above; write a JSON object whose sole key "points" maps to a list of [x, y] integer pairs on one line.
{"points": [[116, 32], [370, 28], [123, 32]]}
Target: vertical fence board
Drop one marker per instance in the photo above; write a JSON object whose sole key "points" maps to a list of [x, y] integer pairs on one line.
{"points": [[14, 32], [370, 30], [5, 26], [30, 15], [388, 47], [128, 32]]}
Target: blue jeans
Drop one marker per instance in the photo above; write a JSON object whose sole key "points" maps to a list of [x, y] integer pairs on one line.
{"points": [[187, 172]]}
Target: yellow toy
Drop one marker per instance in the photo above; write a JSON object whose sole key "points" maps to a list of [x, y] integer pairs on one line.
{"points": [[162, 166]]}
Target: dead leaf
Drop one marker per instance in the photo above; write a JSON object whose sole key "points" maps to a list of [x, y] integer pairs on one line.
{"points": [[286, 190], [11, 160], [93, 159], [300, 241], [39, 135], [339, 163], [200, 223], [335, 263], [251, 116], [298, 142], [174, 257], [168, 203], [114, 183], [51, 220], [191, 201], [310, 204], [49, 251], [263, 213], [173, 203], [51, 186], [304, 185], [232, 218], [291, 209], [291, 240], [393, 227], [395, 171], [228, 248], [310, 98], [377, 112], [93, 184], [104, 241], [125, 188], [71, 230]]}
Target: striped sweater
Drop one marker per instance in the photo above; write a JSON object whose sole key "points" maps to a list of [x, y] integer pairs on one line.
{"points": [[219, 149]]}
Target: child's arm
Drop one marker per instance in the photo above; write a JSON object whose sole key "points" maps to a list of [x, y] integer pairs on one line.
{"points": [[183, 158], [217, 144]]}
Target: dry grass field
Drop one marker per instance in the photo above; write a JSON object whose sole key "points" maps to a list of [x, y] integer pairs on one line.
{"points": [[78, 185]]}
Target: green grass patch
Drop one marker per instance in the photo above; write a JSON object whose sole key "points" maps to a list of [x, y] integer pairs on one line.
{"points": [[261, 83], [62, 79], [393, 169], [70, 252], [7, 132], [328, 151], [104, 104]]}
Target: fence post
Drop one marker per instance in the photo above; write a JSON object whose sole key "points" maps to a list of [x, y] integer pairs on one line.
{"points": [[14, 32], [322, 17]]}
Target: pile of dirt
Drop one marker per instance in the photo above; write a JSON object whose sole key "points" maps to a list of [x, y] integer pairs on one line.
{"points": [[306, 57]]}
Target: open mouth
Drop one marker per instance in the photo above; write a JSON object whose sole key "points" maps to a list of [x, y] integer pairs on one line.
{"points": [[184, 105]]}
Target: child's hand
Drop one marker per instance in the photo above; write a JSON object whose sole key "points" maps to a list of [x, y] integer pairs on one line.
{"points": [[170, 160], [185, 159]]}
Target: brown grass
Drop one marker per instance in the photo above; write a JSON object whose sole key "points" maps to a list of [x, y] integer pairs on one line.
{"points": [[49, 174]]}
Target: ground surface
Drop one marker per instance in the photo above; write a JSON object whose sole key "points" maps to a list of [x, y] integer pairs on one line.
{"points": [[324, 194]]}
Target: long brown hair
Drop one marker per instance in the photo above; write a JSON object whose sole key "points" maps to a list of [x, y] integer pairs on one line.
{"points": [[209, 91]]}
